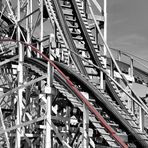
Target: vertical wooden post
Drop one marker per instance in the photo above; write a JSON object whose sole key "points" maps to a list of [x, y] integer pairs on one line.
{"points": [[141, 119], [105, 31], [104, 47], [20, 81], [112, 69], [49, 92], [85, 123], [131, 74], [42, 27], [29, 27]]}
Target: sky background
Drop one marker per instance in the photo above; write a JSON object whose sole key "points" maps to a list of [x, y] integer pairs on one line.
{"points": [[128, 26], [128, 29]]}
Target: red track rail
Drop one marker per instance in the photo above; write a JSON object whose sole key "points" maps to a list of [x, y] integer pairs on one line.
{"points": [[76, 91]]}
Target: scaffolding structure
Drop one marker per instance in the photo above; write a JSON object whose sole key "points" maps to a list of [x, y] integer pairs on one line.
{"points": [[61, 86]]}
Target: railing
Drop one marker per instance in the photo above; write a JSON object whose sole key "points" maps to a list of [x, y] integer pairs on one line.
{"points": [[132, 58]]}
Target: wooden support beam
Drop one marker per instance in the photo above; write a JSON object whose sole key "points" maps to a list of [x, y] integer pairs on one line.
{"points": [[23, 124], [141, 119], [20, 81], [85, 122], [49, 91]]}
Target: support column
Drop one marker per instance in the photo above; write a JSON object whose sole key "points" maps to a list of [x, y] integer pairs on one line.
{"points": [[131, 74], [31, 10], [67, 128], [112, 69], [130, 101], [104, 47], [20, 82], [105, 32], [141, 119], [131, 67], [29, 26], [119, 56], [49, 92], [42, 27], [85, 123], [38, 47]]}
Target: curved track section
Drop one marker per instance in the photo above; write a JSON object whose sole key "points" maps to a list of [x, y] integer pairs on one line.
{"points": [[38, 67], [82, 33], [106, 103], [124, 120], [111, 123], [108, 107]]}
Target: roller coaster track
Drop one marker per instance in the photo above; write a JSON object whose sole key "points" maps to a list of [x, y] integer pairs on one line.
{"points": [[60, 88], [139, 75], [97, 94], [84, 81], [83, 34], [109, 118], [71, 74]]}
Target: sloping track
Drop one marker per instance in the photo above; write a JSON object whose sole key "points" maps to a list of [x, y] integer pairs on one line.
{"points": [[111, 116]]}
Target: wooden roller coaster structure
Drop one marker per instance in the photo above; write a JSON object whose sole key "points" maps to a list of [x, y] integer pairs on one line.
{"points": [[61, 85]]}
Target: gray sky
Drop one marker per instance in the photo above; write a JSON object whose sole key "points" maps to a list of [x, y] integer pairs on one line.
{"points": [[128, 26], [128, 29]]}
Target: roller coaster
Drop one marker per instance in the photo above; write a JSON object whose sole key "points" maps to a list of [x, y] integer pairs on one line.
{"points": [[61, 85]]}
